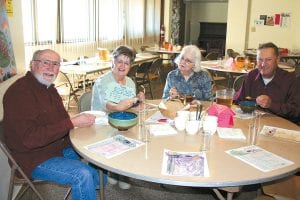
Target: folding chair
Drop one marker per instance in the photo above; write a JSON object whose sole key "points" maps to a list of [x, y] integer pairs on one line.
{"points": [[84, 103], [238, 81], [23, 180]]}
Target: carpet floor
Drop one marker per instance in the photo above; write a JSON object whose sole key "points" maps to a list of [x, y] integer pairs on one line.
{"points": [[141, 190]]}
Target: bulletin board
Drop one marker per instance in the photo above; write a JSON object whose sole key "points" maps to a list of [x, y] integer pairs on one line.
{"points": [[282, 20], [7, 58]]}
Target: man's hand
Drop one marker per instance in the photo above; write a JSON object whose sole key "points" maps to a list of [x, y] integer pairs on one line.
{"points": [[264, 101], [83, 120]]}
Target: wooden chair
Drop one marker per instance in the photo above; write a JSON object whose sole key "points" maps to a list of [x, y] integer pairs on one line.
{"points": [[24, 179]]}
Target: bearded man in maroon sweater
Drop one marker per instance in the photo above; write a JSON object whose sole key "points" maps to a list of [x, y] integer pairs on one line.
{"points": [[36, 129]]}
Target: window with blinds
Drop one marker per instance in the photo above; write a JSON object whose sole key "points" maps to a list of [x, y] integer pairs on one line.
{"points": [[85, 25]]}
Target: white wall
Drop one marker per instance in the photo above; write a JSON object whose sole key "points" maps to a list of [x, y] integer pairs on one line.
{"points": [[283, 37], [242, 33], [237, 25], [202, 12]]}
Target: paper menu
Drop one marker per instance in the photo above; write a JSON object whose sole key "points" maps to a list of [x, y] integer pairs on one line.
{"points": [[259, 158], [281, 133], [113, 146], [231, 133], [184, 164]]}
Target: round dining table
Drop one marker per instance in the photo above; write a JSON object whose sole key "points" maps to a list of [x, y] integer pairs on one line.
{"points": [[225, 171]]}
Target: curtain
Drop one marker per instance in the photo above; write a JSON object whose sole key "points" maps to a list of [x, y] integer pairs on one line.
{"points": [[79, 27]]}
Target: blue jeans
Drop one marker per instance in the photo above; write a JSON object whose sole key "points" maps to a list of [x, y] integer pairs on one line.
{"points": [[83, 178]]}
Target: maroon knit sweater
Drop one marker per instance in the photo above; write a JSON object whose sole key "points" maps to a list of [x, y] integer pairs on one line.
{"points": [[36, 124]]}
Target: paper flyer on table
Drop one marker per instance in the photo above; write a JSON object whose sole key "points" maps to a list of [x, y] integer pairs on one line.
{"points": [[280, 133], [113, 146], [184, 164], [259, 158]]}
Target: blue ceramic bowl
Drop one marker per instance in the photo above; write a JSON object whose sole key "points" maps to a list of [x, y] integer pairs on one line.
{"points": [[247, 106], [122, 120]]}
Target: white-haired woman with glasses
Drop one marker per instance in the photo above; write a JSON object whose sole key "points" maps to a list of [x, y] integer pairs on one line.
{"points": [[189, 78]]}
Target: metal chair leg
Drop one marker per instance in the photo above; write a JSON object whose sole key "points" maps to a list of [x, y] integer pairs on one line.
{"points": [[102, 196]]}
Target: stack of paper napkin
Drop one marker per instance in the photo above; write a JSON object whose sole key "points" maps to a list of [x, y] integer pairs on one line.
{"points": [[224, 114]]}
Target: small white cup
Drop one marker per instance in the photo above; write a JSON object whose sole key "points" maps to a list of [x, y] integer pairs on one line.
{"points": [[210, 124], [183, 113], [192, 127], [180, 123]]}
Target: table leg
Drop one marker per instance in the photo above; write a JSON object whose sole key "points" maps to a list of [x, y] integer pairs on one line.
{"points": [[230, 192], [102, 197], [84, 83]]}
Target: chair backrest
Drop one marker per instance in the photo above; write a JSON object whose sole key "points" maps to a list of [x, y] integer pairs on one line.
{"points": [[132, 72], [144, 67], [212, 56], [238, 81], [156, 66], [231, 53], [65, 88], [85, 101]]}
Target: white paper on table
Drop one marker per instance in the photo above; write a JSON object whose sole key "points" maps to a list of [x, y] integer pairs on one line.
{"points": [[101, 117], [161, 129], [113, 146], [231, 133], [184, 164], [281, 133], [259, 158]]}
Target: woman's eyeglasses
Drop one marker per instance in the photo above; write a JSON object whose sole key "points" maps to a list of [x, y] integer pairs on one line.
{"points": [[186, 60]]}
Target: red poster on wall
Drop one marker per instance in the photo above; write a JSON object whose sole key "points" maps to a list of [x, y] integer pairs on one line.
{"points": [[277, 19]]}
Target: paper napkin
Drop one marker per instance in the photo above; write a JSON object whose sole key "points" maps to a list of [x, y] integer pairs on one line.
{"points": [[224, 114], [161, 129], [231, 133]]}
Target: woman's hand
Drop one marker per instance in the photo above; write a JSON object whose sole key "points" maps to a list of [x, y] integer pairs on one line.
{"points": [[141, 97], [125, 104], [83, 120]]}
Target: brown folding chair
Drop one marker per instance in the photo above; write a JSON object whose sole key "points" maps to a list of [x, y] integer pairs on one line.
{"points": [[142, 76], [23, 180]]}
